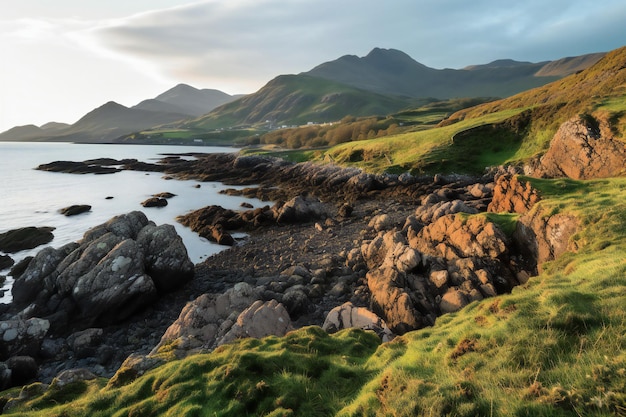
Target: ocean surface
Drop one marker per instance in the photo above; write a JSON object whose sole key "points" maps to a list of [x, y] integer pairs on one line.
{"points": [[29, 197]]}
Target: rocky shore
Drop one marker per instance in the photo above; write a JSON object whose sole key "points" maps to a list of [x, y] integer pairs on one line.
{"points": [[336, 248]]}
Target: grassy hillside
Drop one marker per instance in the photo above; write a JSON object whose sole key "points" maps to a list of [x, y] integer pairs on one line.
{"points": [[297, 100], [504, 131], [554, 347]]}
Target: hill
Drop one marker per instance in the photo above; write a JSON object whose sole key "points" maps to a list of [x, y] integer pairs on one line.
{"points": [[391, 71], [299, 99], [509, 130], [193, 101], [112, 120]]}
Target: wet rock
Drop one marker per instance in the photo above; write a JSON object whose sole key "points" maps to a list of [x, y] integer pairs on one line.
{"points": [[25, 238], [75, 209], [154, 202], [6, 262]]}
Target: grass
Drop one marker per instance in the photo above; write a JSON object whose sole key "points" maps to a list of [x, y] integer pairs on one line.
{"points": [[555, 346], [423, 150]]}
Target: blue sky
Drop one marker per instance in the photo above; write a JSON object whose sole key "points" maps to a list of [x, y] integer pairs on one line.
{"points": [[60, 59]]}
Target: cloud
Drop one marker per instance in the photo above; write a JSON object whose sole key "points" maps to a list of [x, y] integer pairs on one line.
{"points": [[247, 42]]}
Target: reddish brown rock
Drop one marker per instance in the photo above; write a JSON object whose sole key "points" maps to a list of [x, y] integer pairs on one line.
{"points": [[583, 148], [512, 195]]}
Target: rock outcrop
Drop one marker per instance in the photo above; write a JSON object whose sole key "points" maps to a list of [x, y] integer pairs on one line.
{"points": [[512, 195], [583, 148], [347, 316], [25, 238], [116, 269]]}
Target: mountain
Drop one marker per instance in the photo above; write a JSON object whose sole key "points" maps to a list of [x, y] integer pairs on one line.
{"points": [[193, 101], [299, 99], [391, 71], [112, 120]]}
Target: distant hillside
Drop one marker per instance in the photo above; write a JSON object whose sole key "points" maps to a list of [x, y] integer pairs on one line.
{"points": [[584, 91], [193, 101], [112, 120], [391, 71], [299, 99]]}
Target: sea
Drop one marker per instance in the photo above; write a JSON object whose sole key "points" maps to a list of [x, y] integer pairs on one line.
{"points": [[29, 197]]}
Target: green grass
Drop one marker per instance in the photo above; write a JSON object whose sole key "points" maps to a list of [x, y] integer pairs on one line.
{"points": [[555, 346], [429, 150]]}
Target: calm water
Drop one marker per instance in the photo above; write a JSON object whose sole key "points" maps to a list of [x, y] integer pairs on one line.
{"points": [[33, 198]]}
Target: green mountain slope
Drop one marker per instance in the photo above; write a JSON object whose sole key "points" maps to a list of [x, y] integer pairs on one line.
{"points": [[299, 99]]}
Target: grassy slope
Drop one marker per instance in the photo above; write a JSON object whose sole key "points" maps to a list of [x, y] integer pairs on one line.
{"points": [[504, 131], [554, 347], [298, 99]]}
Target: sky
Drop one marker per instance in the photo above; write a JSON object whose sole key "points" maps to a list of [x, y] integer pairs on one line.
{"points": [[60, 59]]}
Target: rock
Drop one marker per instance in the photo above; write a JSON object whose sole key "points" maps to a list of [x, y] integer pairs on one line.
{"points": [[28, 284], [453, 300], [70, 376], [542, 237], [301, 209], [22, 337], [512, 195], [116, 287], [25, 238], [75, 209], [297, 302], [453, 237], [391, 299], [166, 259], [86, 167], [206, 319], [6, 262], [259, 320], [345, 210], [381, 222], [116, 269], [583, 148], [154, 202], [86, 342], [348, 316], [132, 368], [24, 369], [125, 226], [165, 195], [429, 213]]}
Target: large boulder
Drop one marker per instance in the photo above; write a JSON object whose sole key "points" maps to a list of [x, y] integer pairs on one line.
{"points": [[117, 268], [259, 320], [301, 209], [166, 259], [205, 320], [583, 148], [542, 237], [116, 287], [391, 300]]}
